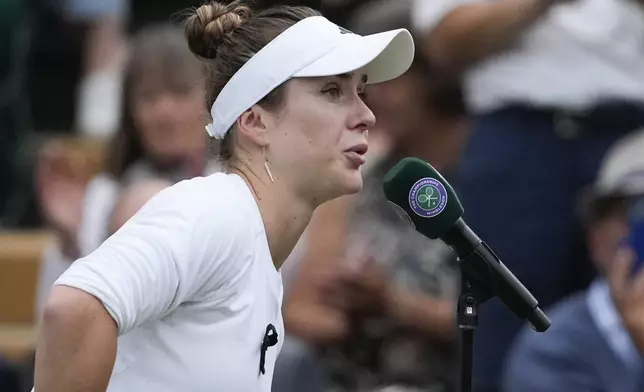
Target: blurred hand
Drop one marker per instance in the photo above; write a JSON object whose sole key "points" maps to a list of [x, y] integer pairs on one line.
{"points": [[628, 295], [60, 189], [332, 283], [369, 289], [359, 288], [316, 309]]}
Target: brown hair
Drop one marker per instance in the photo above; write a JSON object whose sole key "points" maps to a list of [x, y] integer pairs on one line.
{"points": [[160, 47], [228, 35]]}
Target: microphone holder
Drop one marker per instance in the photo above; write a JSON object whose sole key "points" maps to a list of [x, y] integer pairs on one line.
{"points": [[471, 296]]}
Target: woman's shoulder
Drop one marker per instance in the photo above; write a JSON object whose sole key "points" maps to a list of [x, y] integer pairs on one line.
{"points": [[217, 189], [218, 200]]}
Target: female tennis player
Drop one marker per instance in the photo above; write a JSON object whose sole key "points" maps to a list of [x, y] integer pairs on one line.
{"points": [[187, 295]]}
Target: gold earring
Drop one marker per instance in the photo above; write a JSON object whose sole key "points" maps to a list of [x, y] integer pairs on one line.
{"points": [[268, 170]]}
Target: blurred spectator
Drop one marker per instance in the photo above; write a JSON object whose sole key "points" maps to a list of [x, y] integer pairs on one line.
{"points": [[75, 63], [58, 49], [597, 337], [551, 84], [97, 101], [372, 305], [161, 136]]}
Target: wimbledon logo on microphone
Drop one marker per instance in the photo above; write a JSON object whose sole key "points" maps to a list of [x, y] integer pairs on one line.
{"points": [[428, 197]]}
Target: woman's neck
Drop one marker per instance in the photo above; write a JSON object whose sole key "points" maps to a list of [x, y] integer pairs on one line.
{"points": [[285, 216]]}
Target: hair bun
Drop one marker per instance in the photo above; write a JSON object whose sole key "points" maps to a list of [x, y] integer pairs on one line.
{"points": [[208, 26]]}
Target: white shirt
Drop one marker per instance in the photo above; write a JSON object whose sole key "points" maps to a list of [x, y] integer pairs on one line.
{"points": [[577, 54], [191, 284]]}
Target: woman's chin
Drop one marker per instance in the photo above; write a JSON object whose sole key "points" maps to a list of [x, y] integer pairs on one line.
{"points": [[352, 184], [343, 184]]}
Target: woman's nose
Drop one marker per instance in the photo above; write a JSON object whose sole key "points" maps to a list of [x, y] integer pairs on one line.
{"points": [[364, 117]]}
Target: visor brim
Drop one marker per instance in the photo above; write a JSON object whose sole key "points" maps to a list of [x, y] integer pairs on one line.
{"points": [[383, 56]]}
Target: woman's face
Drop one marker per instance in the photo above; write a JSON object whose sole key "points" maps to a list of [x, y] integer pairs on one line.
{"points": [[319, 136], [169, 118]]}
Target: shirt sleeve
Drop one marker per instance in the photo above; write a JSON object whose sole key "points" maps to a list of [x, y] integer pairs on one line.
{"points": [[427, 14], [183, 245]]}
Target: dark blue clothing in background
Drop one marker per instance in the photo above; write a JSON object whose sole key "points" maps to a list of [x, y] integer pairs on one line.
{"points": [[519, 181], [9, 376], [572, 356]]}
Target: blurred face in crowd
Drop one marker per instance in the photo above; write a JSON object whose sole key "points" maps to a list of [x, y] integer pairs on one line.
{"points": [[168, 112], [606, 232], [410, 119], [398, 105]]}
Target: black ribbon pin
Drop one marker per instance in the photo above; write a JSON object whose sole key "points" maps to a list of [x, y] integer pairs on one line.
{"points": [[269, 340]]}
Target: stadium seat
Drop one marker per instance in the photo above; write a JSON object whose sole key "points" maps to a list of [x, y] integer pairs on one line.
{"points": [[20, 254]]}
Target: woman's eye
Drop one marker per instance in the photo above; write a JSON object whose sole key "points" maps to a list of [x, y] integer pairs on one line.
{"points": [[334, 92]]}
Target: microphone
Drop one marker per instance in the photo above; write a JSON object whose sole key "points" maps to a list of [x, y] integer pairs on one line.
{"points": [[422, 196], [269, 340]]}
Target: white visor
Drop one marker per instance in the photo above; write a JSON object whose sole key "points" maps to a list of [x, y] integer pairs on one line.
{"points": [[312, 47]]}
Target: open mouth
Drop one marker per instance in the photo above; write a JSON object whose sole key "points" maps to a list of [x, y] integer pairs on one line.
{"points": [[359, 149]]}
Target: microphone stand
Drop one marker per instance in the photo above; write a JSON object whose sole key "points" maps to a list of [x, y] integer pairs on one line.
{"points": [[467, 317], [470, 298], [482, 277]]}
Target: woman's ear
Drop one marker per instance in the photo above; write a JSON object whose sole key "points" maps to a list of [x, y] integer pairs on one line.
{"points": [[254, 124]]}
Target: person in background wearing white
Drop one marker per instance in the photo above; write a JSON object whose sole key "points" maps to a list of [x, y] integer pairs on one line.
{"points": [[98, 96], [160, 136], [187, 294], [550, 84]]}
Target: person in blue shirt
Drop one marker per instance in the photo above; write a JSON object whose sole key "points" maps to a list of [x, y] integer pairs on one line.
{"points": [[596, 340]]}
